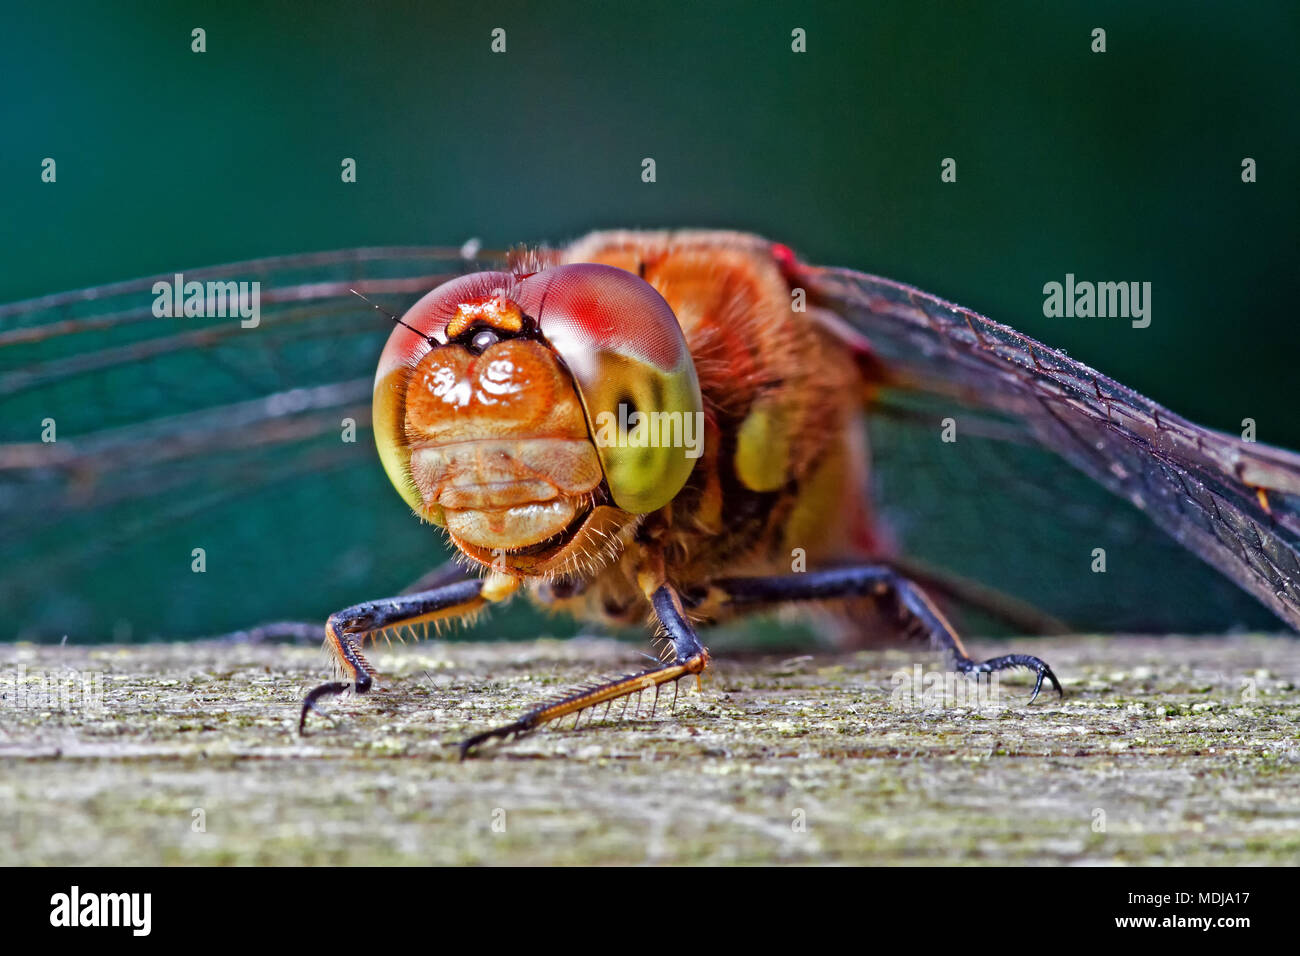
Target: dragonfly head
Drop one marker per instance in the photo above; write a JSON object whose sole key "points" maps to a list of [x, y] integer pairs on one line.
{"points": [[532, 416]]}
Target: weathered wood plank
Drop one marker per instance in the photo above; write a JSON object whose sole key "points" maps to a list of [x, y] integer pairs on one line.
{"points": [[1190, 749]]}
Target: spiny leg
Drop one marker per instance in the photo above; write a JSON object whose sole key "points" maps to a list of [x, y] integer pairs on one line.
{"points": [[308, 632], [347, 630], [689, 657], [878, 580]]}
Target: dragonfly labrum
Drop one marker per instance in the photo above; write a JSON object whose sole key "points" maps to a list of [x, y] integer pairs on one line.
{"points": [[665, 428]]}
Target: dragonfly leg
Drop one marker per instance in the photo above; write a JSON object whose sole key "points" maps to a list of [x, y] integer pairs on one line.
{"points": [[880, 581], [689, 657], [347, 630]]}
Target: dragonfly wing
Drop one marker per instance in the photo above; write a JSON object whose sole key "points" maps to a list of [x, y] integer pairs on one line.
{"points": [[128, 439], [1235, 504]]}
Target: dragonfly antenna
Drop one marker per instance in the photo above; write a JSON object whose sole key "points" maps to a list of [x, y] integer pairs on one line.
{"points": [[379, 308]]}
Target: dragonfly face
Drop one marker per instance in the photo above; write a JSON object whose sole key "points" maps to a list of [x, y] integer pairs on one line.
{"points": [[508, 409]]}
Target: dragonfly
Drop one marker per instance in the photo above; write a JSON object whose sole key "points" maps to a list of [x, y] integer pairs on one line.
{"points": [[670, 429]]}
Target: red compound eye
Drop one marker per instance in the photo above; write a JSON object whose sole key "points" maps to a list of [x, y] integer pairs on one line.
{"points": [[587, 308], [628, 357]]}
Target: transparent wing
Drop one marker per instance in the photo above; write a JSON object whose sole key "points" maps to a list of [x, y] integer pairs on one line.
{"points": [[127, 441], [1232, 503]]}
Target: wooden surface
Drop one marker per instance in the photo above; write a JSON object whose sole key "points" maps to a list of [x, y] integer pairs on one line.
{"points": [[1164, 751]]}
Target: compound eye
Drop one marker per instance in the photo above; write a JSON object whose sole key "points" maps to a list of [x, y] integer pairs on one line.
{"points": [[634, 373]]}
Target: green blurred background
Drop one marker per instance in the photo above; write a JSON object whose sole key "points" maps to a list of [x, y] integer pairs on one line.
{"points": [[1117, 166]]}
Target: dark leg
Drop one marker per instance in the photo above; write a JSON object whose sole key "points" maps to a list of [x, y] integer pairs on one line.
{"points": [[689, 657], [441, 576], [347, 630], [879, 581]]}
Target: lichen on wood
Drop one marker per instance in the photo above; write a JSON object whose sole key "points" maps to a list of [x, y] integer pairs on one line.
{"points": [[1168, 750]]}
